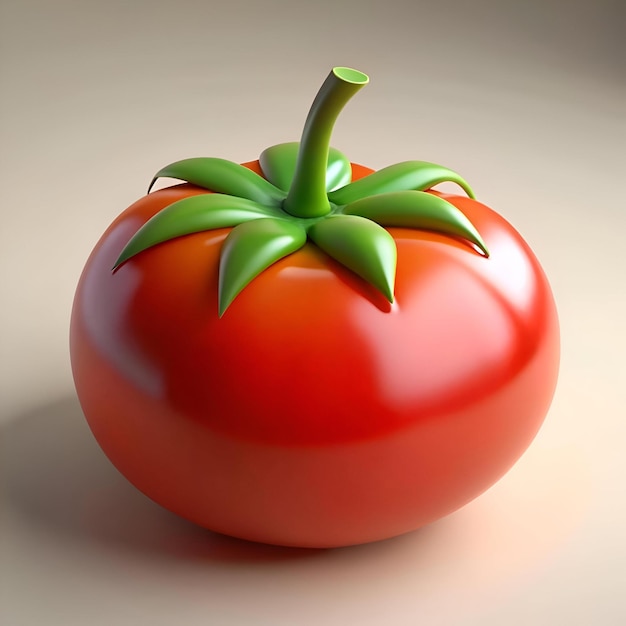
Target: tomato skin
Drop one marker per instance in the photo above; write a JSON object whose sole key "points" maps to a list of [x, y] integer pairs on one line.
{"points": [[314, 413]]}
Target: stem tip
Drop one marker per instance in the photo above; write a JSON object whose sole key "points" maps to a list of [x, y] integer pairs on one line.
{"points": [[348, 75]]}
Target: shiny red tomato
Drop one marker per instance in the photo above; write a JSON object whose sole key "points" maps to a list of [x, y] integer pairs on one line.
{"points": [[314, 412]]}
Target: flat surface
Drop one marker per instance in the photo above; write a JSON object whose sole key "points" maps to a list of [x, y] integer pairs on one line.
{"points": [[526, 100]]}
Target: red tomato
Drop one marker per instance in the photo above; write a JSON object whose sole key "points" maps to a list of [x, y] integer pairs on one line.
{"points": [[314, 413]]}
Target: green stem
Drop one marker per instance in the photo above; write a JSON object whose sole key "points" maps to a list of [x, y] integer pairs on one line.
{"points": [[307, 196]]}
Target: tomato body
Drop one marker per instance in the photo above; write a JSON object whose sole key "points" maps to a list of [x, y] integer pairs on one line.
{"points": [[314, 413]]}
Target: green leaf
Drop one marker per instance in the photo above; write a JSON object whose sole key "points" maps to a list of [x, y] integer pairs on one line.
{"points": [[249, 249], [409, 175], [417, 209], [278, 164], [224, 177], [192, 215], [360, 245]]}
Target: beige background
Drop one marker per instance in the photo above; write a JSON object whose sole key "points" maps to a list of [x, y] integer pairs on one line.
{"points": [[526, 99]]}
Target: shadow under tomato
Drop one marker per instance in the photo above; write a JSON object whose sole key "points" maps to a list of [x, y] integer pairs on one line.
{"points": [[56, 476]]}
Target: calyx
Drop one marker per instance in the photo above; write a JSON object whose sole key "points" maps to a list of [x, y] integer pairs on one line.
{"points": [[306, 194]]}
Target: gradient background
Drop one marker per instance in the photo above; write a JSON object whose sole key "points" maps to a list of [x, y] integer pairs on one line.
{"points": [[526, 99]]}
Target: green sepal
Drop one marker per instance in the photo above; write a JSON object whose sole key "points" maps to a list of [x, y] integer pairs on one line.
{"points": [[249, 249], [362, 246], [223, 176], [409, 175], [192, 215], [417, 209], [278, 164]]}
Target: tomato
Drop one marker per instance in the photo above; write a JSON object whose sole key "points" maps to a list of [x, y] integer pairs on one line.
{"points": [[313, 411]]}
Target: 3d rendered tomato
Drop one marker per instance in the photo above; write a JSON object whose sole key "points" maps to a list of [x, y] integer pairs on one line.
{"points": [[304, 352]]}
